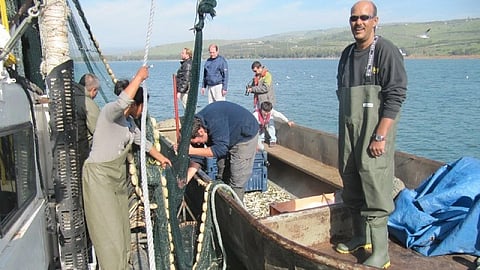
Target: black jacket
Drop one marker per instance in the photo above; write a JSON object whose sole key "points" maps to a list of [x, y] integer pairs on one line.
{"points": [[183, 76]]}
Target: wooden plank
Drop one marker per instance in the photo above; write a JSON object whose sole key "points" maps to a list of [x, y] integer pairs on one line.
{"points": [[315, 168]]}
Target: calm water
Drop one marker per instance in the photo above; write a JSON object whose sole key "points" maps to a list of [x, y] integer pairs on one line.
{"points": [[440, 119]]}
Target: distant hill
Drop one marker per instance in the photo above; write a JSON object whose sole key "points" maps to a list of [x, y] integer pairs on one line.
{"points": [[443, 39]]}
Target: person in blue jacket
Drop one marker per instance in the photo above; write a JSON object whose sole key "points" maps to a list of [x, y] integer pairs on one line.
{"points": [[215, 75], [228, 132]]}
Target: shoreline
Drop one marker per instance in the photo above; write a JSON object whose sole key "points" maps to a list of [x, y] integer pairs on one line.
{"points": [[475, 56], [443, 57]]}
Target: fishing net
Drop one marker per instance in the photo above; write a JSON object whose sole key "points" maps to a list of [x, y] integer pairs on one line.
{"points": [[181, 240], [86, 52]]}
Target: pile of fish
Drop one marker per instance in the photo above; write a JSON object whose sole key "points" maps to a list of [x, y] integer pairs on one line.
{"points": [[258, 203]]}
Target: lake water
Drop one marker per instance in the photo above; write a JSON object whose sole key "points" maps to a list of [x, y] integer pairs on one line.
{"points": [[440, 119]]}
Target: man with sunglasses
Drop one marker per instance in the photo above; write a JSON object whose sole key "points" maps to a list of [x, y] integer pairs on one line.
{"points": [[372, 85]]}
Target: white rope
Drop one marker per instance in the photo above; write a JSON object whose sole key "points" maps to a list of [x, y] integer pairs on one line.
{"points": [[215, 220], [148, 220]]}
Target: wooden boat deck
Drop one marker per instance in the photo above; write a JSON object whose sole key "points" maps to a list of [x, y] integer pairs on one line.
{"points": [[320, 229], [300, 229], [308, 165], [402, 258]]}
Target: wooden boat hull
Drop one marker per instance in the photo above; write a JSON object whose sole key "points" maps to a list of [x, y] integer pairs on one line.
{"points": [[259, 244], [305, 239]]}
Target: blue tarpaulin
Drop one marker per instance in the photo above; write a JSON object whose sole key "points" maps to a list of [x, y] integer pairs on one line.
{"points": [[442, 215]]}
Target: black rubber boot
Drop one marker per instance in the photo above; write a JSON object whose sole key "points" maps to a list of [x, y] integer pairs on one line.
{"points": [[379, 233], [360, 237]]}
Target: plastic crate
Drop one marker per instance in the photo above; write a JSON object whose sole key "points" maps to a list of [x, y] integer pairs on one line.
{"points": [[258, 180], [210, 167]]}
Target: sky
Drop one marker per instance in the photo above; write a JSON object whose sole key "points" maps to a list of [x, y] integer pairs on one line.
{"points": [[120, 24]]}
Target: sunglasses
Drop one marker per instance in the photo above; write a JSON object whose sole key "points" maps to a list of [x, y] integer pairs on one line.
{"points": [[354, 18]]}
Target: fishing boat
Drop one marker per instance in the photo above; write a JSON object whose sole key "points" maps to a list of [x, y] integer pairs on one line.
{"points": [[301, 233]]}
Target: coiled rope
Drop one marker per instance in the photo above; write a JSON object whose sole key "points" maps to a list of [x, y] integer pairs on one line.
{"points": [[148, 220]]}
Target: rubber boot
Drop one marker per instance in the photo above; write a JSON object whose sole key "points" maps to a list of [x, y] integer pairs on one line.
{"points": [[360, 237], [379, 233]]}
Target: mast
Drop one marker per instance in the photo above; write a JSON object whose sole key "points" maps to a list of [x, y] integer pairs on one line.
{"points": [[54, 34]]}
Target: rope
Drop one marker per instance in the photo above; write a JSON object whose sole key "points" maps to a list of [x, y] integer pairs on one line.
{"points": [[215, 220], [81, 44], [148, 219], [95, 42], [33, 12], [216, 186]]}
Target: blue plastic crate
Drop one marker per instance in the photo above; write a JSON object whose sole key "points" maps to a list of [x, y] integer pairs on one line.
{"points": [[258, 180], [210, 167], [260, 159]]}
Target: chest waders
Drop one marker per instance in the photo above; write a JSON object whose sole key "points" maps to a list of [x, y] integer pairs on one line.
{"points": [[367, 181], [105, 199]]}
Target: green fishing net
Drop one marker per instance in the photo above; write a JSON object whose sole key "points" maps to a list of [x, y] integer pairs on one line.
{"points": [[183, 241]]}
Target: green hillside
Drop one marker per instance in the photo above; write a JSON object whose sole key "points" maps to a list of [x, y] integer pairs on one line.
{"points": [[445, 39]]}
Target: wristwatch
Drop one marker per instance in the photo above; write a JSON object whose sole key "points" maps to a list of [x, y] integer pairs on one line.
{"points": [[378, 138]]}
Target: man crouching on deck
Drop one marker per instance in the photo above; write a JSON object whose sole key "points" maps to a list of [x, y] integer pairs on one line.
{"points": [[228, 132]]}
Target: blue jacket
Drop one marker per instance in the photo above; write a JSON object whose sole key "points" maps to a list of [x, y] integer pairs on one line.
{"points": [[227, 124], [215, 71]]}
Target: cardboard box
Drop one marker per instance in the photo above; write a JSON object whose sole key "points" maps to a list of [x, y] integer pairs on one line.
{"points": [[302, 204]]}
